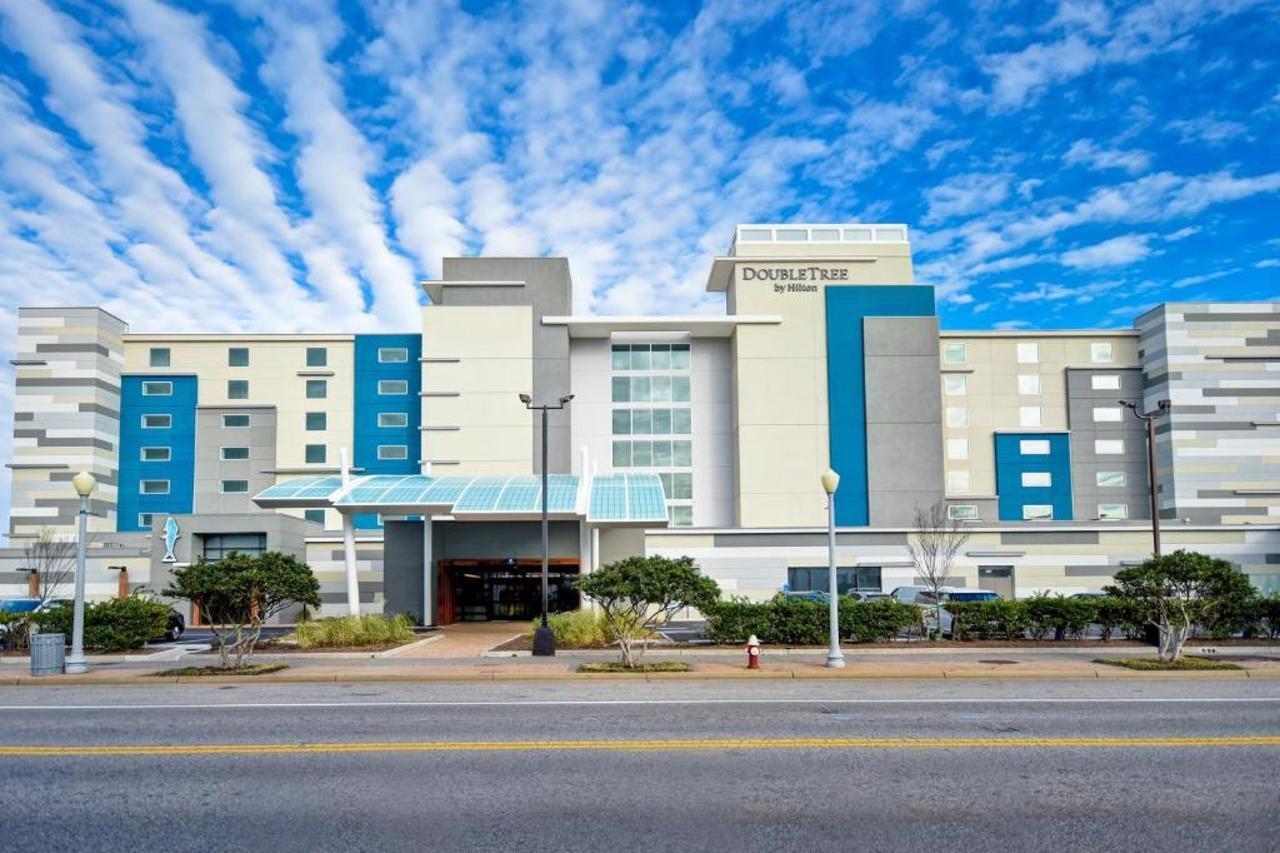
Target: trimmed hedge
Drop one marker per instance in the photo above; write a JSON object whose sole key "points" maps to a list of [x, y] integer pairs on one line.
{"points": [[787, 621], [114, 625], [988, 620]]}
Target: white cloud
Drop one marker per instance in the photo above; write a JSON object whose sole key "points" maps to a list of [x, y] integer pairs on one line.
{"points": [[1193, 280], [1118, 251], [964, 195], [1089, 153], [1208, 129], [1023, 76]]}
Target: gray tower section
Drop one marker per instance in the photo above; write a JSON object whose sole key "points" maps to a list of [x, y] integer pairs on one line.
{"points": [[1082, 399], [211, 469], [549, 290], [904, 417]]}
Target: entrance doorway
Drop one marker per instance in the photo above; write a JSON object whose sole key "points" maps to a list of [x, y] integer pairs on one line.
{"points": [[997, 579], [487, 590]]}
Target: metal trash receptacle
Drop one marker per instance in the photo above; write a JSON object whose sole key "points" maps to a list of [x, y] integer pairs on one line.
{"points": [[48, 654]]}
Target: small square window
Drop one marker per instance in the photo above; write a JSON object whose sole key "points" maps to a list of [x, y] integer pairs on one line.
{"points": [[235, 421], [317, 389], [954, 352], [1107, 414], [1105, 382], [234, 454], [315, 516], [1101, 352], [962, 512], [1028, 353], [157, 454], [315, 454], [388, 420], [157, 389], [145, 520], [957, 448], [1109, 512], [958, 481], [1108, 446], [153, 487], [681, 516], [392, 355], [1110, 479], [1029, 416], [393, 387], [159, 357], [955, 384], [157, 421], [957, 416], [238, 357], [393, 451], [317, 421], [234, 487], [1033, 447], [1037, 512], [1036, 479], [1029, 384], [237, 389], [317, 357]]}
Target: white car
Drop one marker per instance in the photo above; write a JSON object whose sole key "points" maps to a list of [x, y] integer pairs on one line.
{"points": [[923, 596]]}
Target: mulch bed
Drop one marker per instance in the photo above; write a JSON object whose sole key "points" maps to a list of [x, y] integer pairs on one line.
{"points": [[272, 648]]}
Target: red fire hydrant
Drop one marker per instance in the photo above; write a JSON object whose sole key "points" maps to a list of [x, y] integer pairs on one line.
{"points": [[753, 652]]}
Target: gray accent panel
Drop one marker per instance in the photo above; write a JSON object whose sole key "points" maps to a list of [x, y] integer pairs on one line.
{"points": [[1090, 571], [1082, 399], [210, 469], [83, 348], [402, 568], [1047, 536], [43, 382], [804, 540]]}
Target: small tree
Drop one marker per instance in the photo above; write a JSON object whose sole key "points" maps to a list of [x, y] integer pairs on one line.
{"points": [[53, 559], [933, 544], [1175, 591], [638, 595], [239, 593]]}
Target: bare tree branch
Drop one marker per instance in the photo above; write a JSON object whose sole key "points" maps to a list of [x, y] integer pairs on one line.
{"points": [[933, 544], [53, 559]]}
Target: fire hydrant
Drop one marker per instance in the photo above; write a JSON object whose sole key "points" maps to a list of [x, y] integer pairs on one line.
{"points": [[753, 652]]}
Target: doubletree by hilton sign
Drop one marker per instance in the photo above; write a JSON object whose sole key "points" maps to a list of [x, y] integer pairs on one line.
{"points": [[794, 279]]}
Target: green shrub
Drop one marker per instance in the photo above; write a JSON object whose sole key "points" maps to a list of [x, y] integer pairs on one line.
{"points": [[797, 622], [1268, 615], [789, 621], [369, 629], [113, 625], [577, 629], [999, 619], [877, 620], [1065, 618], [1109, 614], [17, 633], [736, 619]]}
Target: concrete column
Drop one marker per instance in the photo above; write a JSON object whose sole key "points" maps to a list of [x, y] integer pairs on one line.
{"points": [[428, 574], [349, 543]]}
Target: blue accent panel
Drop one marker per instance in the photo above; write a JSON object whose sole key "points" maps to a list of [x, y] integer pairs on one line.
{"points": [[179, 437], [369, 371], [1012, 463], [847, 307]]}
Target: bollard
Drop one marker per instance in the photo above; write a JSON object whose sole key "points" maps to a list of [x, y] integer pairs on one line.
{"points": [[753, 652]]}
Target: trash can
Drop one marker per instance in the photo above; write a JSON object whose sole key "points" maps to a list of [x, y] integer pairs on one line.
{"points": [[48, 654]]}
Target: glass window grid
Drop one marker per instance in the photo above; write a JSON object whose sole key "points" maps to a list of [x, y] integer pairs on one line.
{"points": [[654, 375], [646, 420], [962, 512], [1107, 512], [216, 546]]}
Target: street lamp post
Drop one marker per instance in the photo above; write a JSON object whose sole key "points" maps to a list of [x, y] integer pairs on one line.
{"points": [[544, 641], [835, 657], [83, 483], [1149, 419]]}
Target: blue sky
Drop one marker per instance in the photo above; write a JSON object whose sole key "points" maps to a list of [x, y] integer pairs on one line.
{"points": [[300, 165]]}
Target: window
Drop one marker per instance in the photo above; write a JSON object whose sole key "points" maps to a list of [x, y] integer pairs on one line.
{"points": [[393, 387], [1037, 512], [680, 389], [848, 579], [641, 357], [156, 454], [392, 355], [317, 389], [1110, 479], [153, 487], [957, 448], [622, 454], [219, 545], [662, 422], [681, 422], [389, 420], [1028, 353], [1034, 447], [315, 454], [237, 389], [661, 389], [1101, 352], [1107, 414], [157, 421], [235, 421], [681, 454], [958, 481], [238, 357], [681, 486], [1108, 446], [1105, 382], [233, 487], [393, 451], [318, 421], [962, 512], [159, 357], [661, 356], [145, 519], [234, 454], [955, 353], [620, 357], [1029, 384], [315, 516], [317, 357], [957, 416], [1029, 416], [621, 422], [681, 516], [621, 389], [954, 384], [679, 356], [157, 389], [642, 422], [1036, 479], [1109, 512]]}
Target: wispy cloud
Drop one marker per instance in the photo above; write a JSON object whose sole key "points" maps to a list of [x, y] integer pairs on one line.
{"points": [[1118, 251]]}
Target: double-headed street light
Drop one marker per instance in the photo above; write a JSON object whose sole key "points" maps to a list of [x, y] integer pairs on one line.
{"points": [[1149, 418], [84, 484], [544, 641], [835, 657]]}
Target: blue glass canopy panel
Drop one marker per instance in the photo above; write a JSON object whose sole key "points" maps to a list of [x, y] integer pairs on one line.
{"points": [[627, 499], [301, 491]]}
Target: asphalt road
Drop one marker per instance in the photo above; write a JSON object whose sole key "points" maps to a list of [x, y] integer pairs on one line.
{"points": [[1072, 765]]}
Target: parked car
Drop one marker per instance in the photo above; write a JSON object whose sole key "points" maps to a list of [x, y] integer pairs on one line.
{"points": [[19, 605], [818, 595], [923, 596]]}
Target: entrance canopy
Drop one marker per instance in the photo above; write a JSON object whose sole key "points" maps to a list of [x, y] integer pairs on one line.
{"points": [[616, 500]]}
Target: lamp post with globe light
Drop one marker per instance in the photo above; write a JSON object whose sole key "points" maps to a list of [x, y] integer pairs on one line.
{"points": [[830, 482], [84, 484]]}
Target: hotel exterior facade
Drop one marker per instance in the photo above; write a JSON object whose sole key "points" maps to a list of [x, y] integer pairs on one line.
{"points": [[697, 435]]}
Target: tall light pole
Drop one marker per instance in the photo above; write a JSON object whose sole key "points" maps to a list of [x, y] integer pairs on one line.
{"points": [[83, 483], [544, 641], [1149, 418], [835, 658]]}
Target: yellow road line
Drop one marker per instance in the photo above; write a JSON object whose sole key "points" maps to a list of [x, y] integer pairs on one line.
{"points": [[676, 745]]}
